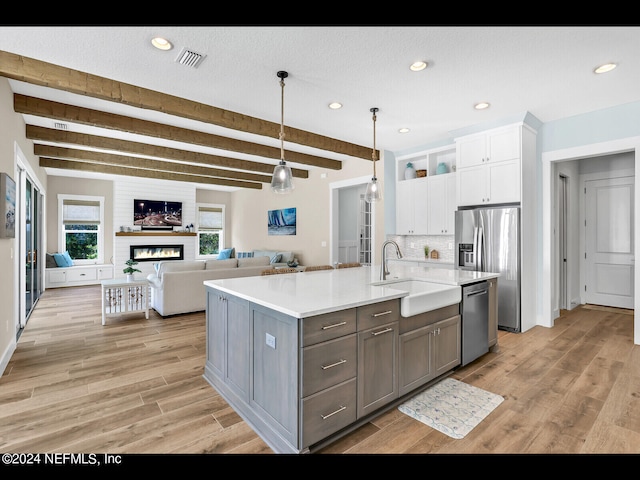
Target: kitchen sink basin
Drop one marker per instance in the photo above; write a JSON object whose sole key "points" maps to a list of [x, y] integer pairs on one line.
{"points": [[423, 296]]}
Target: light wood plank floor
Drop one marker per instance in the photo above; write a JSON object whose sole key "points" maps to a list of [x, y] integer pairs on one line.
{"points": [[136, 386]]}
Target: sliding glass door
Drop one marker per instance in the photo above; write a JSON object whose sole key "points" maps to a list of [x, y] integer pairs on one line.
{"points": [[30, 247]]}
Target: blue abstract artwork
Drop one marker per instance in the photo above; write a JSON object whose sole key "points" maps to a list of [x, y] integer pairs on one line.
{"points": [[282, 221]]}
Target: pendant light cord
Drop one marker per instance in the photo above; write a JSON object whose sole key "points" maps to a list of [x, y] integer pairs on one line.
{"points": [[374, 156], [282, 119]]}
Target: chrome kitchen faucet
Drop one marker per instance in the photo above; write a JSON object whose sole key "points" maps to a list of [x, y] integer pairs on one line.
{"points": [[384, 270]]}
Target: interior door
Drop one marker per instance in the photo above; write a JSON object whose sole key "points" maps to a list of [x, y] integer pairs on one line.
{"points": [[609, 242]]}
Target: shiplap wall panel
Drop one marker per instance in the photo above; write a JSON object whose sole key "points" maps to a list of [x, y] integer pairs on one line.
{"points": [[125, 191]]}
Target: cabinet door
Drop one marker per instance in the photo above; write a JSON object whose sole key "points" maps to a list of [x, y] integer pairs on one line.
{"points": [[105, 273], [472, 186], [442, 204], [437, 199], [504, 182], [471, 151], [216, 329], [504, 146], [450, 205], [377, 367], [421, 207], [237, 366], [231, 365], [415, 362], [404, 208], [446, 344]]}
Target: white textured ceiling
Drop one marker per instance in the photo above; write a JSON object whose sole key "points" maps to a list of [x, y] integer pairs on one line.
{"points": [[547, 71]]}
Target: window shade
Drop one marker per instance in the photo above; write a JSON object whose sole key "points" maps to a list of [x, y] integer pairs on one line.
{"points": [[209, 218], [80, 212]]}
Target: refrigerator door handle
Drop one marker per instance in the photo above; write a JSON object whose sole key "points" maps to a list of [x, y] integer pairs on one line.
{"points": [[480, 255], [479, 248]]}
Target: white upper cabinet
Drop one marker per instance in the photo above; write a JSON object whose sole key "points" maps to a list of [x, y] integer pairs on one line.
{"points": [[416, 203], [489, 166], [411, 207], [441, 201]]}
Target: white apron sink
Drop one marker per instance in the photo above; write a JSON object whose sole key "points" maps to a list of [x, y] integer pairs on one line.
{"points": [[423, 296]]}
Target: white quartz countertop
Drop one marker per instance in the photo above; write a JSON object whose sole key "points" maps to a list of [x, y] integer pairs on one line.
{"points": [[306, 294]]}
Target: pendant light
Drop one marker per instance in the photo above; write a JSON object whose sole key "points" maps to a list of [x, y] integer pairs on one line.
{"points": [[373, 188], [281, 180]]}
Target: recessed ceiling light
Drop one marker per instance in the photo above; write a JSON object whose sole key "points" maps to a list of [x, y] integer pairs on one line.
{"points": [[481, 105], [161, 43], [404, 130], [607, 67], [335, 105], [417, 66]]}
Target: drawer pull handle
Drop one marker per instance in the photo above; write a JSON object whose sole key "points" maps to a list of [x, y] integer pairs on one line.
{"points": [[382, 313], [327, 327], [342, 360], [382, 331], [324, 417]]}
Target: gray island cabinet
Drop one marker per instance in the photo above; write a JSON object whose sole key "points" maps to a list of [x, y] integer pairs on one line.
{"points": [[307, 357]]}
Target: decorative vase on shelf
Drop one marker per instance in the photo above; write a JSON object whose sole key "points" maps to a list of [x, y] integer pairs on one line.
{"points": [[442, 168], [409, 171]]}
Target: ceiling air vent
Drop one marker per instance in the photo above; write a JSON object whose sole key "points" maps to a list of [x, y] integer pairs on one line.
{"points": [[190, 58], [61, 126]]}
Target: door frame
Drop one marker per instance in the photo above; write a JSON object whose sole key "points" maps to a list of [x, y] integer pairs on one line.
{"points": [[23, 169], [546, 282], [334, 209]]}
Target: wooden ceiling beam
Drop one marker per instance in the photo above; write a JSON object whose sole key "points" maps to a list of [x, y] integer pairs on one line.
{"points": [[139, 172], [46, 74], [147, 164], [43, 134], [85, 116]]}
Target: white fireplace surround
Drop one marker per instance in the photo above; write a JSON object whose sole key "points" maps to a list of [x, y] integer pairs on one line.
{"points": [[125, 191]]}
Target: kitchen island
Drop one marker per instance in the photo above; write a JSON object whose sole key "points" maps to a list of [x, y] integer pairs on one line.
{"points": [[306, 357]]}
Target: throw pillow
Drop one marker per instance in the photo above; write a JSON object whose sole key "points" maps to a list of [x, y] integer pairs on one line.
{"points": [[276, 258], [226, 253], [63, 259], [51, 261]]}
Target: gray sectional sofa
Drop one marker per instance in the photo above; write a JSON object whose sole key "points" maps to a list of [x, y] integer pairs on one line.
{"points": [[177, 286]]}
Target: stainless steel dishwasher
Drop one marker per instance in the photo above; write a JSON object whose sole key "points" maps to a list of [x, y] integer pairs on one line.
{"points": [[475, 321]]}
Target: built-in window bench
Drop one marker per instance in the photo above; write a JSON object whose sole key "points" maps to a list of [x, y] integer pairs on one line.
{"points": [[77, 275]]}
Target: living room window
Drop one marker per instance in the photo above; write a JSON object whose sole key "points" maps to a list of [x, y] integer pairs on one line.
{"points": [[81, 228], [210, 228]]}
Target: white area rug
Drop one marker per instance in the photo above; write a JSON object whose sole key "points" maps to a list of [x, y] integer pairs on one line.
{"points": [[451, 407]]}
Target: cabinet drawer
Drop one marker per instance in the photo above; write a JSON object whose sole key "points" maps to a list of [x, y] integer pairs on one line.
{"points": [[328, 326], [422, 319], [329, 363], [76, 275], [370, 316], [328, 411], [57, 276]]}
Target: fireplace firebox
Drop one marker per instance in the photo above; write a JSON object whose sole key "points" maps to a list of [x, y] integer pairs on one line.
{"points": [[149, 253]]}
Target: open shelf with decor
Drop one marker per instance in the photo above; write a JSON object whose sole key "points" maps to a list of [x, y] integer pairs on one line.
{"points": [[427, 163]]}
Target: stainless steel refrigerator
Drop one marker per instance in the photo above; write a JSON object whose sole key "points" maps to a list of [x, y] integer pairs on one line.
{"points": [[488, 240]]}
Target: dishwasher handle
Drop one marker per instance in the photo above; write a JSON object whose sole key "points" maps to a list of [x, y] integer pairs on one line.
{"points": [[477, 292]]}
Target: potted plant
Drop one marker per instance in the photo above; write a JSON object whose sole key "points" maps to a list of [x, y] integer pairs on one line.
{"points": [[129, 270], [426, 251]]}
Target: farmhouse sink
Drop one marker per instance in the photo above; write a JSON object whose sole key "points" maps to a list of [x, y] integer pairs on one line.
{"points": [[423, 296]]}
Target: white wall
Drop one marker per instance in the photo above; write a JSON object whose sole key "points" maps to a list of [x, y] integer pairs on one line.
{"points": [[12, 136]]}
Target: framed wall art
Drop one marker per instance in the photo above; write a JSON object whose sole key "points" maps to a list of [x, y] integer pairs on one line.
{"points": [[282, 221], [8, 206]]}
